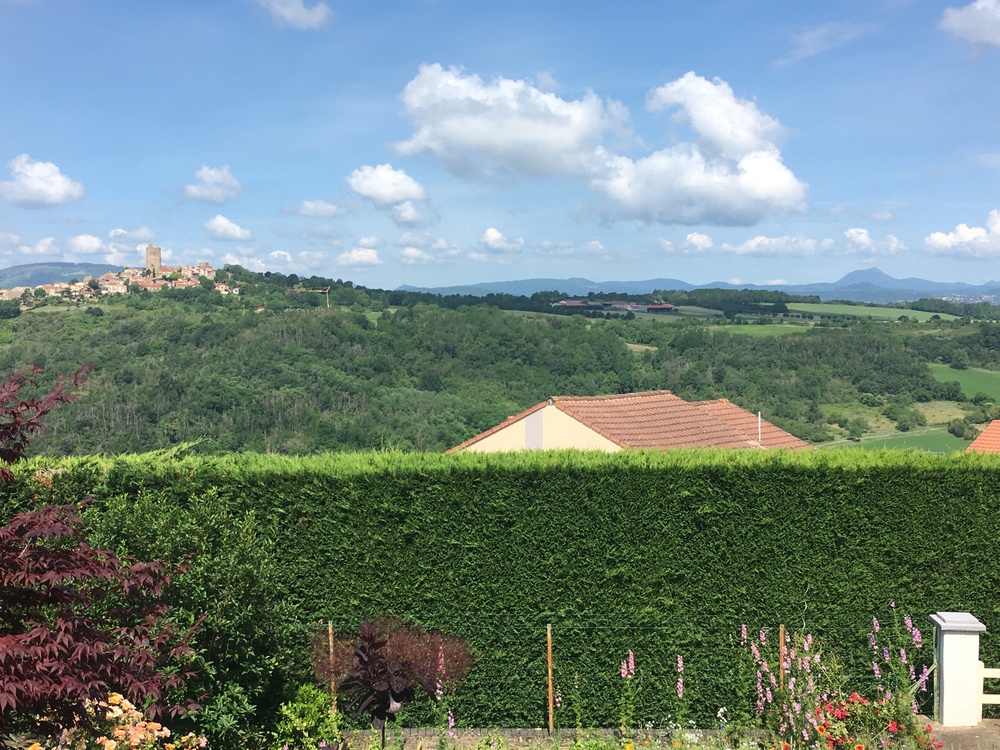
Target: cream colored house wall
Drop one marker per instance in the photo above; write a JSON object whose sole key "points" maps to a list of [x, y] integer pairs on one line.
{"points": [[510, 438], [559, 430], [562, 431]]}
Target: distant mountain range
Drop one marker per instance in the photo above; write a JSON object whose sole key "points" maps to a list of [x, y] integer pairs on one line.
{"points": [[36, 274], [868, 285]]}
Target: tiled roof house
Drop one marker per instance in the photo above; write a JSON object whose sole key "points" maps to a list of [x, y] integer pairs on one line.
{"points": [[656, 420], [988, 440]]}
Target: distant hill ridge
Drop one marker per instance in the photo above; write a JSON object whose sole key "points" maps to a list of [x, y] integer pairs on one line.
{"points": [[866, 285], [36, 274]]}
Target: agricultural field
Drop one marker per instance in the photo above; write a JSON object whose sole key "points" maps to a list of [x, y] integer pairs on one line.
{"points": [[862, 311], [973, 380], [931, 440], [759, 331]]}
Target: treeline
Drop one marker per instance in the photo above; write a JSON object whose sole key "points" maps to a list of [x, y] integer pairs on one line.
{"points": [[730, 302], [300, 381], [971, 310], [733, 302], [248, 372]]}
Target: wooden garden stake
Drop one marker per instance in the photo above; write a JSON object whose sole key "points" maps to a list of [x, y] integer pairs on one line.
{"points": [[552, 707], [333, 675], [781, 657]]}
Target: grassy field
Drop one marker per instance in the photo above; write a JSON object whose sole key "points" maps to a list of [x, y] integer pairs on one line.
{"points": [[861, 311], [759, 331], [973, 380], [933, 440]]}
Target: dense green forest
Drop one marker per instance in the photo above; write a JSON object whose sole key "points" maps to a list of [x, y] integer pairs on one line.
{"points": [[276, 369]]}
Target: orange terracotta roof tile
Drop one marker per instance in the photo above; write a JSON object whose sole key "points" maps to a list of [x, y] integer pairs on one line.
{"points": [[988, 440], [660, 420]]}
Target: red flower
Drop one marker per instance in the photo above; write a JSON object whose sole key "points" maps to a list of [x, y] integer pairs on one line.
{"points": [[893, 727]]}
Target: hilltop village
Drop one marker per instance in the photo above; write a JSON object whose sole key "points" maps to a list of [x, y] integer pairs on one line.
{"points": [[154, 277]]}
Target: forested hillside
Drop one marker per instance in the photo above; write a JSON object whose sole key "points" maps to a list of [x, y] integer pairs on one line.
{"points": [[276, 370]]}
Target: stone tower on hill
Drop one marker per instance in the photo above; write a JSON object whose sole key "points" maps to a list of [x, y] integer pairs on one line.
{"points": [[153, 259]]}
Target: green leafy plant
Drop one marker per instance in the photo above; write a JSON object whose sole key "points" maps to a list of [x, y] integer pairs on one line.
{"points": [[308, 723]]}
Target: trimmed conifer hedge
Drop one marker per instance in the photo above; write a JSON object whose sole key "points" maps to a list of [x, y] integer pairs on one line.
{"points": [[662, 553]]}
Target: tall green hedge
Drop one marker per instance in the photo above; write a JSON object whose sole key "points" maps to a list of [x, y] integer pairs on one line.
{"points": [[661, 553]]}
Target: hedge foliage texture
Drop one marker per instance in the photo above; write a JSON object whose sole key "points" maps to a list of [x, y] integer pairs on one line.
{"points": [[661, 553]]}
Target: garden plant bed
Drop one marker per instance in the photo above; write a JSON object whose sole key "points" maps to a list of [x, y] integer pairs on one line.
{"points": [[985, 736]]}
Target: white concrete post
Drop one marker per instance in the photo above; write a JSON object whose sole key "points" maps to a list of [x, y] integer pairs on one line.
{"points": [[959, 681]]}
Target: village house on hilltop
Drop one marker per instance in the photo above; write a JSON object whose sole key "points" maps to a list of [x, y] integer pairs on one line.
{"points": [[154, 277], [656, 420]]}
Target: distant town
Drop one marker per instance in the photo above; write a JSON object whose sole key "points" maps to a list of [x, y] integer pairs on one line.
{"points": [[154, 277]]}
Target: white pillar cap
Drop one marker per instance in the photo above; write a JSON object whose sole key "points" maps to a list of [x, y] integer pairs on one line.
{"points": [[957, 622]]}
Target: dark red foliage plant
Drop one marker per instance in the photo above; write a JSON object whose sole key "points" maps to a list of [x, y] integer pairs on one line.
{"points": [[78, 622], [391, 660]]}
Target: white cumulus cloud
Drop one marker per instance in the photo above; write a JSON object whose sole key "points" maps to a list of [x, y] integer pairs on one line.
{"points": [[86, 244], [38, 183], [142, 234], [406, 215], [359, 256], [419, 249], [732, 173], [391, 190], [496, 247], [318, 209], [860, 241], [296, 14], [724, 167], [969, 242], [760, 246], [412, 256], [977, 22], [385, 186], [214, 185], [593, 249], [506, 125], [45, 246], [494, 240], [224, 229]]}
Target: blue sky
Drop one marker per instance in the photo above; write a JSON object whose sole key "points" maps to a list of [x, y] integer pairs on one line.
{"points": [[442, 142]]}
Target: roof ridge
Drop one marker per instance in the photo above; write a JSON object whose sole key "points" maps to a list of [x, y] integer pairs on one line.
{"points": [[615, 396]]}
